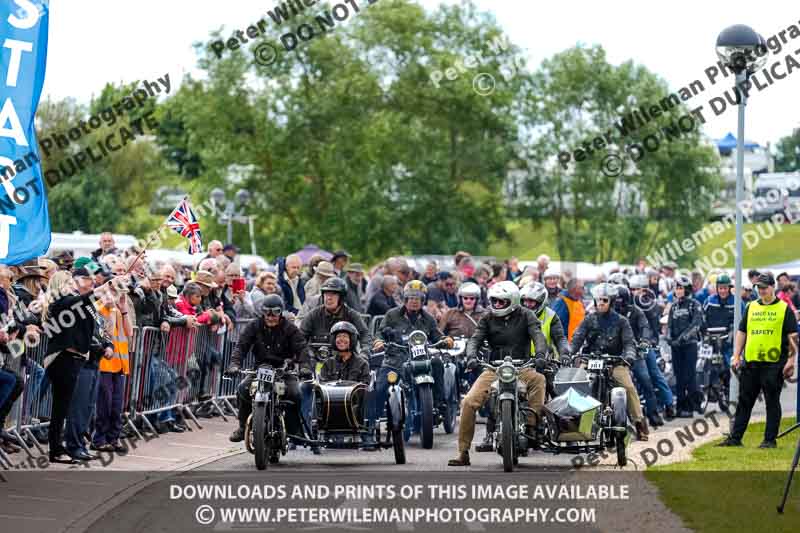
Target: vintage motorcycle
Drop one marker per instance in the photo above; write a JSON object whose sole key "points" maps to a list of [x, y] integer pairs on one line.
{"points": [[452, 361], [711, 371], [416, 381], [339, 411], [265, 434], [589, 414], [509, 402]]}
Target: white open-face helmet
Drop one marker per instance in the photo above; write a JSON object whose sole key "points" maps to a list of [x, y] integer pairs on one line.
{"points": [[537, 292], [639, 281], [469, 289], [604, 290], [503, 298]]}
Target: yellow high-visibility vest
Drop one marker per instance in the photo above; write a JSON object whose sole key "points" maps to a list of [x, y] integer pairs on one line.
{"points": [[764, 332]]}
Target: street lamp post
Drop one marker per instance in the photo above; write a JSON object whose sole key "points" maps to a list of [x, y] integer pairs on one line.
{"points": [[743, 51], [230, 211]]}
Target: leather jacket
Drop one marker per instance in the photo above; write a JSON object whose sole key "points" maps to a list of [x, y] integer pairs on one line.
{"points": [[271, 345], [355, 369], [319, 321], [509, 335], [685, 321], [402, 323], [610, 334]]}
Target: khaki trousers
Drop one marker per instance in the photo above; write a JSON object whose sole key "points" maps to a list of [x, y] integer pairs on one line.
{"points": [[479, 392], [622, 375]]}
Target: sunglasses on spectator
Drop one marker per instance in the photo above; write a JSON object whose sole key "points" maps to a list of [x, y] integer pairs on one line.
{"points": [[273, 311], [451, 284]]}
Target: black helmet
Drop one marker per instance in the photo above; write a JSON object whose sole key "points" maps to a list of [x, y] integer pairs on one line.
{"points": [[271, 302], [334, 284], [623, 300], [344, 327]]}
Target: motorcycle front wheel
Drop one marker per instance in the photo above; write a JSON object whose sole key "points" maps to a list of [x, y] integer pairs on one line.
{"points": [[426, 415], [507, 436], [261, 430]]}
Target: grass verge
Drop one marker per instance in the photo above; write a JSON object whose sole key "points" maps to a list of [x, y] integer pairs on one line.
{"points": [[733, 489]]}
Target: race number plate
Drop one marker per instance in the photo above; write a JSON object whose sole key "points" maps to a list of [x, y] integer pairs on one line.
{"points": [[417, 350], [596, 364], [706, 350], [266, 374]]}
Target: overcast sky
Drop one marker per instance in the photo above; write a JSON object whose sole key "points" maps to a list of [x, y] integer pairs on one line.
{"points": [[97, 41]]}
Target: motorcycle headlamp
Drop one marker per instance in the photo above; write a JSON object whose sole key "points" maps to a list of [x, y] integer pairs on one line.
{"points": [[417, 338], [391, 377], [506, 373]]}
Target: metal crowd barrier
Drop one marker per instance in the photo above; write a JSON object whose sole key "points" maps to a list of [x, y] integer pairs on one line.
{"points": [[169, 372]]}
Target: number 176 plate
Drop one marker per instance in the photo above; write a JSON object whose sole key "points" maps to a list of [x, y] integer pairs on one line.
{"points": [[266, 374]]}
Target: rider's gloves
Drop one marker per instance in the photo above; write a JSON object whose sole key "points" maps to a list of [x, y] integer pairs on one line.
{"points": [[540, 363], [232, 370], [472, 364], [449, 341], [305, 373]]}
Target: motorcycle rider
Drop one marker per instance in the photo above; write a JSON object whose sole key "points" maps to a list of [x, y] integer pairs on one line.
{"points": [[645, 299], [683, 329], [509, 329], [718, 311], [398, 322], [273, 340], [623, 304], [606, 331], [462, 321], [321, 319], [346, 365], [534, 297]]}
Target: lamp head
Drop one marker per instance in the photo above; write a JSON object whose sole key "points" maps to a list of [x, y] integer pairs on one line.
{"points": [[242, 197], [740, 48], [217, 195]]}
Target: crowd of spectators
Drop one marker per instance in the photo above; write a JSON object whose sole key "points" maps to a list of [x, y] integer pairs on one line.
{"points": [[88, 366]]}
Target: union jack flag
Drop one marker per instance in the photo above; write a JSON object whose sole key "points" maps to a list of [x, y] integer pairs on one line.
{"points": [[183, 221]]}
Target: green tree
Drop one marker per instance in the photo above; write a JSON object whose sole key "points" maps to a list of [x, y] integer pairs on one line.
{"points": [[577, 96], [348, 142], [787, 158]]}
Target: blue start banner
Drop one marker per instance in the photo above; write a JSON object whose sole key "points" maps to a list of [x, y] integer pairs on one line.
{"points": [[24, 222]]}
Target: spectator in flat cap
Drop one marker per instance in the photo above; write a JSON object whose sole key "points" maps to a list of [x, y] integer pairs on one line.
{"points": [[355, 287], [230, 251]]}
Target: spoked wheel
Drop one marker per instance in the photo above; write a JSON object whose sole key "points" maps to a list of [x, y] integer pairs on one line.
{"points": [[261, 441], [248, 434], [507, 435], [399, 447], [426, 416]]}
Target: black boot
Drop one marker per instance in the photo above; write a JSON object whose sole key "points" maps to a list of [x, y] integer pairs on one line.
{"points": [[237, 435], [487, 445], [669, 413]]}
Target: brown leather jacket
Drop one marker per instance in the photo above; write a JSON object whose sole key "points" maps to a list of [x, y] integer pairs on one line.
{"points": [[457, 323]]}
